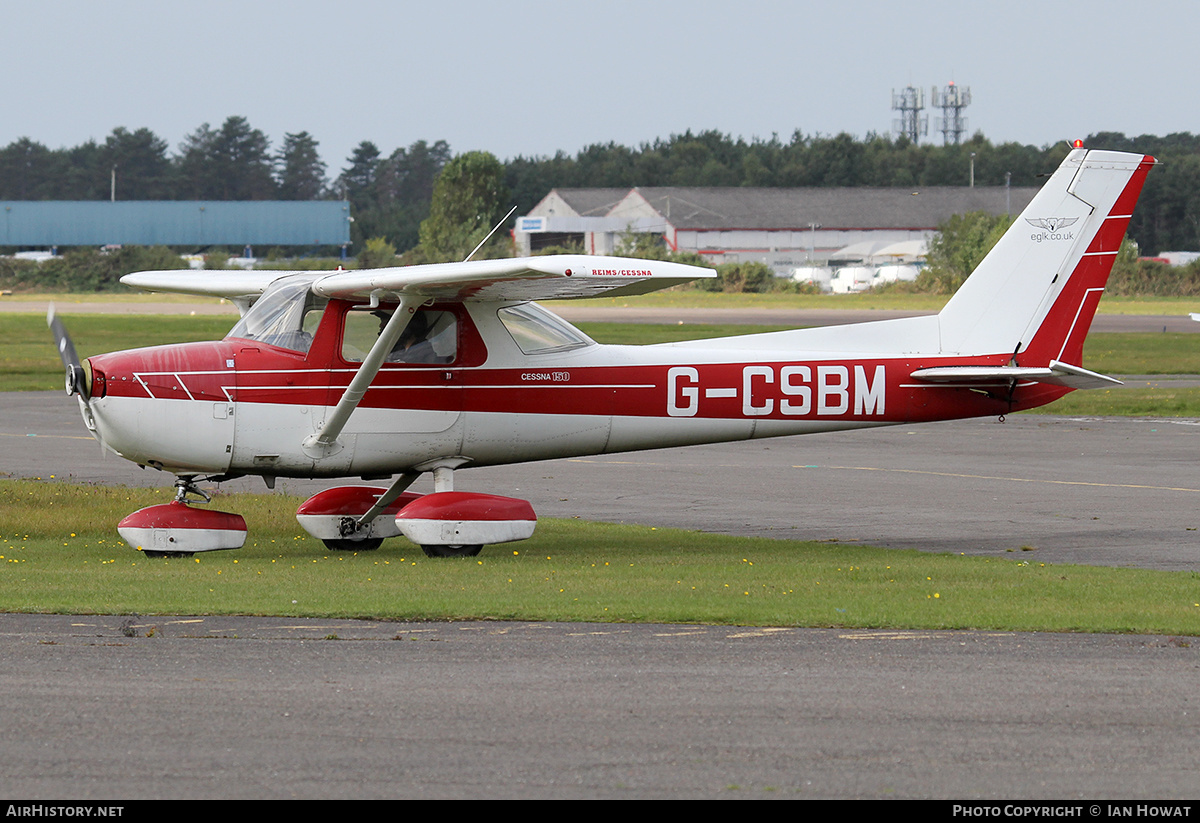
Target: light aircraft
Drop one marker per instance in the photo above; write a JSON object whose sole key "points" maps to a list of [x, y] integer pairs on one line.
{"points": [[396, 372]]}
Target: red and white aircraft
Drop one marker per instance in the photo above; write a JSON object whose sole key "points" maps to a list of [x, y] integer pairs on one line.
{"points": [[391, 373]]}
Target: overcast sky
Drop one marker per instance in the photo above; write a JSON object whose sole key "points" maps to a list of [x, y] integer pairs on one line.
{"points": [[534, 78]]}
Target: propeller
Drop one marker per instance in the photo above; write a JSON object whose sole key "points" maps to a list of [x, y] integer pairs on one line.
{"points": [[78, 375], [76, 380]]}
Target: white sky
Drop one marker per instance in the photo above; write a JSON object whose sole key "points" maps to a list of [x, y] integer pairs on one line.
{"points": [[533, 78]]}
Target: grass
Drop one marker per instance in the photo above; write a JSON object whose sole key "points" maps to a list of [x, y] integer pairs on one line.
{"points": [[1142, 353], [1147, 305], [29, 362], [124, 295], [640, 334], [1126, 402], [60, 554], [691, 298], [694, 298]]}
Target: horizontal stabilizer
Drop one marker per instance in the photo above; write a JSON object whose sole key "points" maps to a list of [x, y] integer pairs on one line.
{"points": [[1057, 374]]}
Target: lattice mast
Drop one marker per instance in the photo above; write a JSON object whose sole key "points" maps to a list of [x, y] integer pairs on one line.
{"points": [[910, 102], [952, 100]]}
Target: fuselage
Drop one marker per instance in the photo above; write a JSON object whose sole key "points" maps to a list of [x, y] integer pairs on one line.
{"points": [[510, 383]]}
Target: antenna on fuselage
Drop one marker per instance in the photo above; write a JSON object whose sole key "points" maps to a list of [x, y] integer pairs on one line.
{"points": [[503, 220]]}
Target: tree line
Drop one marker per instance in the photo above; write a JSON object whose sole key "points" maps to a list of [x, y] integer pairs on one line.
{"points": [[391, 194], [1167, 217]]}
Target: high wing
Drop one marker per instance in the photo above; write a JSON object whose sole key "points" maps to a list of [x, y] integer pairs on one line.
{"points": [[553, 277], [242, 288]]}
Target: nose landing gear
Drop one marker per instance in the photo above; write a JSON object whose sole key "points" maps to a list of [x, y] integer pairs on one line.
{"points": [[177, 529]]}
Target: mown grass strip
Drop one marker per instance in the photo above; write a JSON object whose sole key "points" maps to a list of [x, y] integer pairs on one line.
{"points": [[29, 361], [1128, 401], [60, 553], [690, 298]]}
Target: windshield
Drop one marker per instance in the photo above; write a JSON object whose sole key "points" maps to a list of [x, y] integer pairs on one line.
{"points": [[286, 315]]}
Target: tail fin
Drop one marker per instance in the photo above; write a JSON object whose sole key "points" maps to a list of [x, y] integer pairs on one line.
{"points": [[1035, 293]]}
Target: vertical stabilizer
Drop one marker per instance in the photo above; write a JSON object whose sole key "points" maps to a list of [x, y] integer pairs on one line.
{"points": [[1036, 291]]}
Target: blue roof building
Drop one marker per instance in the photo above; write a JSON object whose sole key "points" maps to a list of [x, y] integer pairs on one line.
{"points": [[174, 223]]}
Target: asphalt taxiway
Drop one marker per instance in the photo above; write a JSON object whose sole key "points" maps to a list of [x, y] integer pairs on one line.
{"points": [[118, 708]]}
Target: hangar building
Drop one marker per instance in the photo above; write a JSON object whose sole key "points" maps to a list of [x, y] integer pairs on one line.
{"points": [[784, 228]]}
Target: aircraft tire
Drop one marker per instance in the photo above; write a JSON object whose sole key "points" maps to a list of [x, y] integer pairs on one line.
{"points": [[452, 551], [354, 545]]}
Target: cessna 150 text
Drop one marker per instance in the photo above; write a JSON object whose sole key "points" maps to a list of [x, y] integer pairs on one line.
{"points": [[392, 373]]}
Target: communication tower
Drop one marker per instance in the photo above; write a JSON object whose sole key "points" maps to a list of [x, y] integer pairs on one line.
{"points": [[952, 100], [910, 102]]}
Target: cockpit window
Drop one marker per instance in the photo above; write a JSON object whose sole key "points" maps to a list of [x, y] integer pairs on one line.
{"points": [[537, 331], [287, 315], [430, 337]]}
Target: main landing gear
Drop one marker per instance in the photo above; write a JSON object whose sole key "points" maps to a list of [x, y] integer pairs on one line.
{"points": [[354, 518], [445, 523]]}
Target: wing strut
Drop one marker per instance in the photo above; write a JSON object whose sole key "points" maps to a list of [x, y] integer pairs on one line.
{"points": [[324, 442], [397, 488]]}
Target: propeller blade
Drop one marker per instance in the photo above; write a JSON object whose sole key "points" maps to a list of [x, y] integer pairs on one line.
{"points": [[76, 382]]}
